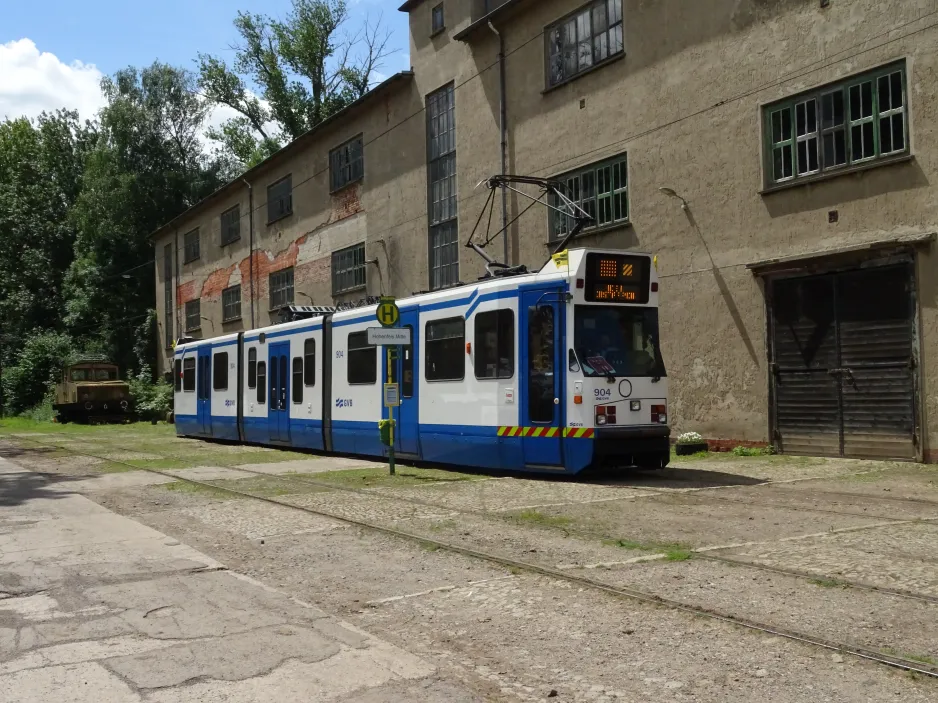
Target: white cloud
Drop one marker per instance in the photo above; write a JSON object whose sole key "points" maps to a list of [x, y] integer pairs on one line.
{"points": [[34, 81]]}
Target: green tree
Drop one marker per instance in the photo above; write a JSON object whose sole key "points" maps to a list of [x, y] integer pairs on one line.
{"points": [[41, 175], [147, 166], [304, 70]]}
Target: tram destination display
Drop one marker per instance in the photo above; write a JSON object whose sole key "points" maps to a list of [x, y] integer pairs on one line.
{"points": [[616, 278]]}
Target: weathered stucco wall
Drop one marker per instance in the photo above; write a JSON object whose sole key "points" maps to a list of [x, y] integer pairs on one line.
{"points": [[684, 104]]}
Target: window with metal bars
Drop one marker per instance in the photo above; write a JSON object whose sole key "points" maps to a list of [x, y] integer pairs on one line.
{"points": [[281, 288], [191, 244], [347, 164], [441, 138], [601, 189], [231, 304], [231, 225], [584, 39], [348, 269], [193, 315], [280, 199], [855, 121]]}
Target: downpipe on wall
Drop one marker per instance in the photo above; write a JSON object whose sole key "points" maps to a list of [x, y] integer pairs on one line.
{"points": [[503, 127]]}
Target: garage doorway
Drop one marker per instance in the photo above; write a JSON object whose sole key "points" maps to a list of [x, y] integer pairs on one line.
{"points": [[842, 363]]}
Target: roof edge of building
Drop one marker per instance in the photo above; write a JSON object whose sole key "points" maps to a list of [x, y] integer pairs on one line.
{"points": [[284, 151], [465, 34]]}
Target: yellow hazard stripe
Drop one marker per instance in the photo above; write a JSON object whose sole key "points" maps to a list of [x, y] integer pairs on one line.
{"points": [[546, 432]]}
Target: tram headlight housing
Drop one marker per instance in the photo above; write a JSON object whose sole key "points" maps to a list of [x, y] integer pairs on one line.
{"points": [[659, 414]]}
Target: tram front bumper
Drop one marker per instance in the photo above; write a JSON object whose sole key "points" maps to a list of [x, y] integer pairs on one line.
{"points": [[618, 445]]}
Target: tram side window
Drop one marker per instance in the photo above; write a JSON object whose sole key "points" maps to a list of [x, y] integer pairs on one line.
{"points": [[188, 374], [261, 381], [220, 372], [445, 349], [178, 374], [252, 368], [362, 360], [407, 364], [297, 379], [495, 344], [309, 362]]}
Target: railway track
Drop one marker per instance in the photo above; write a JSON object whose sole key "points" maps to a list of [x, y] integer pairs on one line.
{"points": [[622, 592]]}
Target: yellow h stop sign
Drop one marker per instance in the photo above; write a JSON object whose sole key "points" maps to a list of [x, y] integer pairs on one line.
{"points": [[388, 313]]}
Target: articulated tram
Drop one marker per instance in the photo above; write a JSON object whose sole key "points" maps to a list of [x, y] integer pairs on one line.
{"points": [[556, 371]]}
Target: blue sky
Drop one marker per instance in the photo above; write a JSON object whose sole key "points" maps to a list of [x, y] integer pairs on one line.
{"points": [[70, 44]]}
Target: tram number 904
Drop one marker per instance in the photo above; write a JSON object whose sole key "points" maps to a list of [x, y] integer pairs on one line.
{"points": [[601, 393]]}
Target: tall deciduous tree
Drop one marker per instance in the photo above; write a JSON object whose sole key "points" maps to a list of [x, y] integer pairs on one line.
{"points": [[304, 70], [148, 165]]}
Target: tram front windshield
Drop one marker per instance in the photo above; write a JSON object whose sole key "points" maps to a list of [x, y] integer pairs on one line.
{"points": [[617, 341]]}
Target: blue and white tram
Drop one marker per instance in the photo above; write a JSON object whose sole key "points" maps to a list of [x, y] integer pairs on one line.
{"points": [[555, 371]]}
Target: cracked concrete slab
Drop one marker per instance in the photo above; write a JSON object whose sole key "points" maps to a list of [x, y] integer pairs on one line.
{"points": [[100, 608]]}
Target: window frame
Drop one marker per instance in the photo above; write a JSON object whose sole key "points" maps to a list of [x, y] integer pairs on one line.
{"points": [[217, 364], [594, 63], [285, 201], [227, 291], [593, 204], [198, 315], [442, 188], [191, 249], [168, 317], [434, 27], [252, 368], [270, 288], [342, 164], [818, 95], [261, 387], [427, 345], [309, 362], [297, 369], [478, 346], [233, 215], [359, 350], [357, 252], [188, 371]]}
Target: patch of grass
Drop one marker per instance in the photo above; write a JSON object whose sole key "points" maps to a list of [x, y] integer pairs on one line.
{"points": [[921, 658], [429, 546], [378, 477], [671, 552], [829, 583], [678, 554], [196, 489], [268, 486], [442, 525], [535, 517]]}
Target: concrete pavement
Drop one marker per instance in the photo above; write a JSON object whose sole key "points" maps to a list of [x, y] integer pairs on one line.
{"points": [[97, 607]]}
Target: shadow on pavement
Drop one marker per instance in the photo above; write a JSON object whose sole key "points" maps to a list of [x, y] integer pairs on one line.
{"points": [[19, 485]]}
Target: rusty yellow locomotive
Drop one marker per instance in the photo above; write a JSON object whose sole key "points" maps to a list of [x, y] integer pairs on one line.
{"points": [[91, 391]]}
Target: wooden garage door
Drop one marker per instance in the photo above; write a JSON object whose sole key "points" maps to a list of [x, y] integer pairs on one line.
{"points": [[842, 363]]}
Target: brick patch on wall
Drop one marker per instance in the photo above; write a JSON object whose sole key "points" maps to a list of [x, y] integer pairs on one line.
{"points": [[185, 292], [346, 202], [217, 281]]}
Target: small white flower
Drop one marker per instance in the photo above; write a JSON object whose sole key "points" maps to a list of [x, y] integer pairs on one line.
{"points": [[689, 438]]}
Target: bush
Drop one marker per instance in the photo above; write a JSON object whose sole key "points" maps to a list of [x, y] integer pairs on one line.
{"points": [[42, 412], [754, 451], [36, 371], [152, 400]]}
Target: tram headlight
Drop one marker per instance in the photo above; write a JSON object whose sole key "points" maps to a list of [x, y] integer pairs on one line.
{"points": [[659, 414]]}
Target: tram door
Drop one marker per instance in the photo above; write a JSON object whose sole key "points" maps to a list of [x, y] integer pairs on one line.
{"points": [[278, 410], [404, 372], [541, 375], [204, 390]]}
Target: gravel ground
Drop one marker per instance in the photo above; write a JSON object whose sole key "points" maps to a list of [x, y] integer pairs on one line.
{"points": [[514, 636]]}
